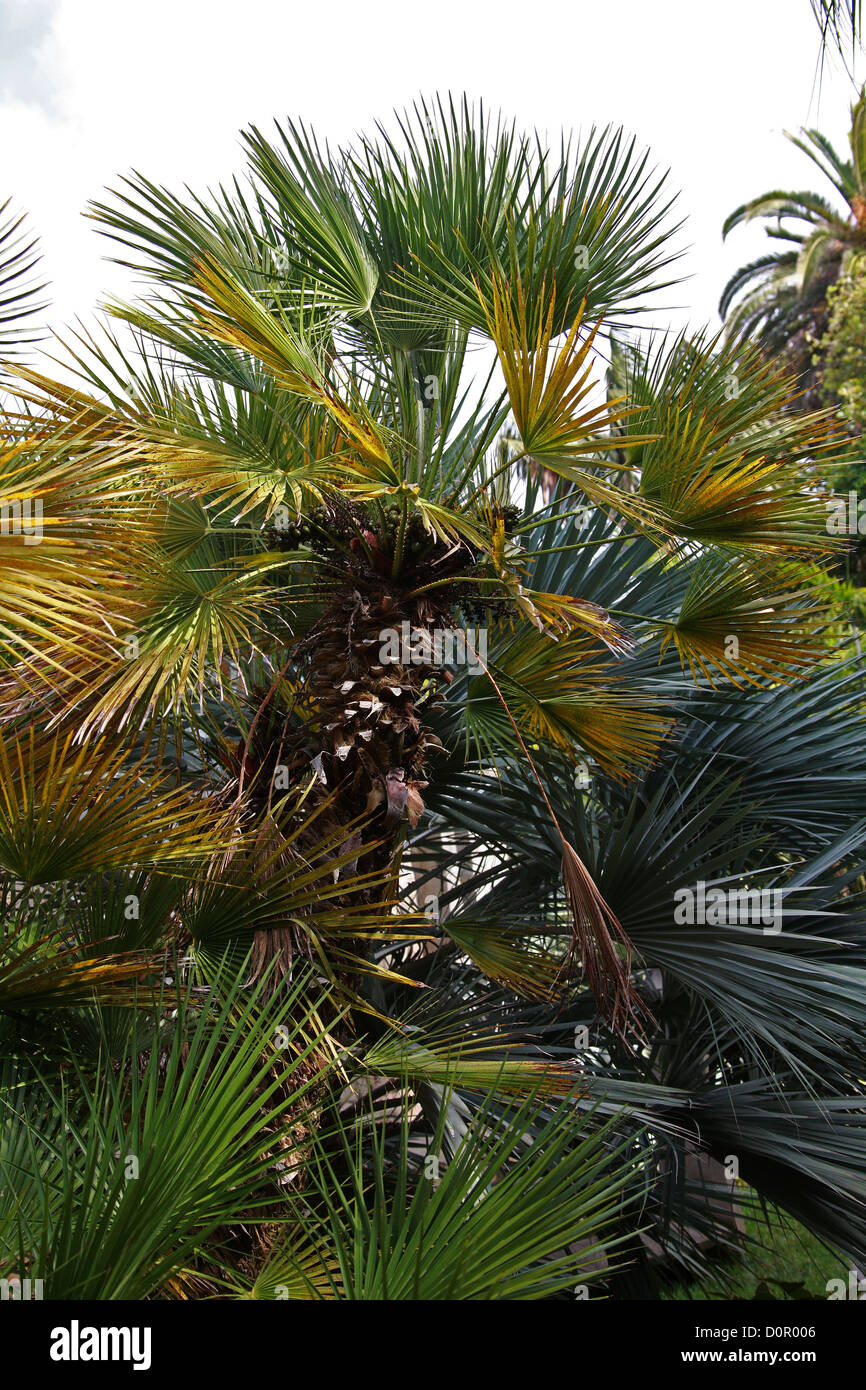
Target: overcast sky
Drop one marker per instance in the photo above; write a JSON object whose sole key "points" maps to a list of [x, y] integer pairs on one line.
{"points": [[92, 88]]}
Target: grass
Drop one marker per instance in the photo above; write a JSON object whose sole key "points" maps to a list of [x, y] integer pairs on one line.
{"points": [[782, 1260]]}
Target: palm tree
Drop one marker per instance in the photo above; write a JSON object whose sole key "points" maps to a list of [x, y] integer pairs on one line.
{"points": [[349, 784], [780, 299], [840, 21]]}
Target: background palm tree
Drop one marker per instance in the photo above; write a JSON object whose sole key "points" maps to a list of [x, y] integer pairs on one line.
{"points": [[780, 299], [225, 806]]}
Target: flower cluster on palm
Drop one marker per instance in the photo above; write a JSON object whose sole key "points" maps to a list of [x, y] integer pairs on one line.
{"points": [[211, 770]]}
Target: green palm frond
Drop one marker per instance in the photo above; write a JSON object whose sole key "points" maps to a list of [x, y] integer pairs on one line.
{"points": [[480, 1064], [719, 467], [766, 269], [511, 955], [807, 206], [320, 223]]}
